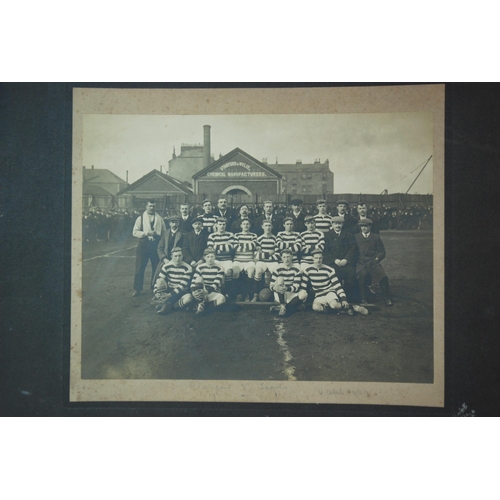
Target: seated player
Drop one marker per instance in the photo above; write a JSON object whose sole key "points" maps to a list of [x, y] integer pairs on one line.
{"points": [[222, 242], [267, 255], [171, 287], [328, 292], [290, 240], [312, 239], [286, 283], [371, 253], [207, 282], [323, 220], [245, 244]]}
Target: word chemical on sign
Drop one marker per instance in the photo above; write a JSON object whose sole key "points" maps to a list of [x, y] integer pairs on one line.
{"points": [[228, 173]]}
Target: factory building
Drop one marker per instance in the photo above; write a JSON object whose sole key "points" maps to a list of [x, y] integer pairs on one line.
{"points": [[193, 158], [237, 173]]}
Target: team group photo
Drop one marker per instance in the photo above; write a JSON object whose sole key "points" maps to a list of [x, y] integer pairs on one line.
{"points": [[206, 258]]}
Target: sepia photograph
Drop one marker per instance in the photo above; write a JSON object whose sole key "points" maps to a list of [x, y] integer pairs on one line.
{"points": [[258, 245]]}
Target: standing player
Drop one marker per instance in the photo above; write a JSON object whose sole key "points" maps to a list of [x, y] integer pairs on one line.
{"points": [[209, 218], [267, 252], [286, 283], [171, 287], [245, 244], [323, 220], [222, 242], [328, 292], [312, 240], [207, 282], [289, 239]]}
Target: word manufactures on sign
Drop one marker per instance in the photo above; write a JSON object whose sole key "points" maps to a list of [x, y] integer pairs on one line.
{"points": [[237, 169]]}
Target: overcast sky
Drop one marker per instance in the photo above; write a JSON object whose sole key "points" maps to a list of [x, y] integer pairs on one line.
{"points": [[367, 152]]}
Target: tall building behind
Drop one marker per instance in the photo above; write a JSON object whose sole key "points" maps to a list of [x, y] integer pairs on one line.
{"points": [[306, 178], [193, 159]]}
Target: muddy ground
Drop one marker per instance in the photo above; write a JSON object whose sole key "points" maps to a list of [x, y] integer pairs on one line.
{"points": [[123, 337]]}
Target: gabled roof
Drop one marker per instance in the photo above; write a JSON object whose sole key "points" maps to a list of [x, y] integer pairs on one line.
{"points": [[227, 156], [100, 175], [171, 180]]}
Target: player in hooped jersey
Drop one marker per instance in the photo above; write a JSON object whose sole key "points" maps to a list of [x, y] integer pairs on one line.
{"points": [[222, 242], [207, 282], [323, 220], [286, 284], [171, 287], [267, 255], [312, 240], [245, 244], [328, 292], [290, 240]]}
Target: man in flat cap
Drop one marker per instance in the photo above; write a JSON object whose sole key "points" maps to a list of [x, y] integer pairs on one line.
{"points": [[371, 253], [298, 215], [195, 242], [341, 254], [343, 212], [362, 210]]}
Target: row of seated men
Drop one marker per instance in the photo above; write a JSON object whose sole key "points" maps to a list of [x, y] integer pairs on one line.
{"points": [[212, 264]]}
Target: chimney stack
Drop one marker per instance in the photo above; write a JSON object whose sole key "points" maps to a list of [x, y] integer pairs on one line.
{"points": [[126, 176], [206, 146]]}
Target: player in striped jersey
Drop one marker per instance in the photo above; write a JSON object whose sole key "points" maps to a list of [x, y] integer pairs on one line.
{"points": [[328, 292], [222, 242], [312, 240], [289, 239], [209, 218], [286, 283], [207, 282], [323, 220], [245, 244], [171, 287], [266, 254]]}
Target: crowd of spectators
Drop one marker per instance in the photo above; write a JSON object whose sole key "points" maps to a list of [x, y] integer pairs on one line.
{"points": [[113, 225]]}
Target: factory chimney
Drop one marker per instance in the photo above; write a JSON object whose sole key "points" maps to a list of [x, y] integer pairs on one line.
{"points": [[206, 146]]}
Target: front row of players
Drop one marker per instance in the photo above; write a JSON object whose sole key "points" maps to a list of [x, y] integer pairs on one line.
{"points": [[227, 256]]}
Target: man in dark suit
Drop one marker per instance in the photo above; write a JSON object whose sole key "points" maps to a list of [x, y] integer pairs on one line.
{"points": [[185, 219], [342, 211], [362, 210], [171, 238], [244, 214], [371, 253], [270, 215], [341, 254], [298, 215], [195, 242], [223, 211]]}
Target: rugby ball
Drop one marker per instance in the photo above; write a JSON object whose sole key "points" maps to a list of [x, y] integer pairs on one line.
{"points": [[265, 295]]}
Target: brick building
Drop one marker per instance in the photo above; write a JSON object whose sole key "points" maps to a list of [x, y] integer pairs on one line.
{"points": [[237, 173], [306, 178]]}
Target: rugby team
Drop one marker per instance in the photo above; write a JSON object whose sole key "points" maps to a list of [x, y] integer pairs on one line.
{"points": [[197, 261]]}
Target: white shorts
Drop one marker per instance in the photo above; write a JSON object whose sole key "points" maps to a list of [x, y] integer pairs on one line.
{"points": [[227, 265], [244, 266], [267, 266], [290, 295], [326, 299]]}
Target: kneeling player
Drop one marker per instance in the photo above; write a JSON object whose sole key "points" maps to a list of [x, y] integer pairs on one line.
{"points": [[328, 292], [207, 282], [286, 284], [171, 287]]}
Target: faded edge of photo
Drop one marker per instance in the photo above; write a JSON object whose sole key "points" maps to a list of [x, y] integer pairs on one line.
{"points": [[387, 99]]}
